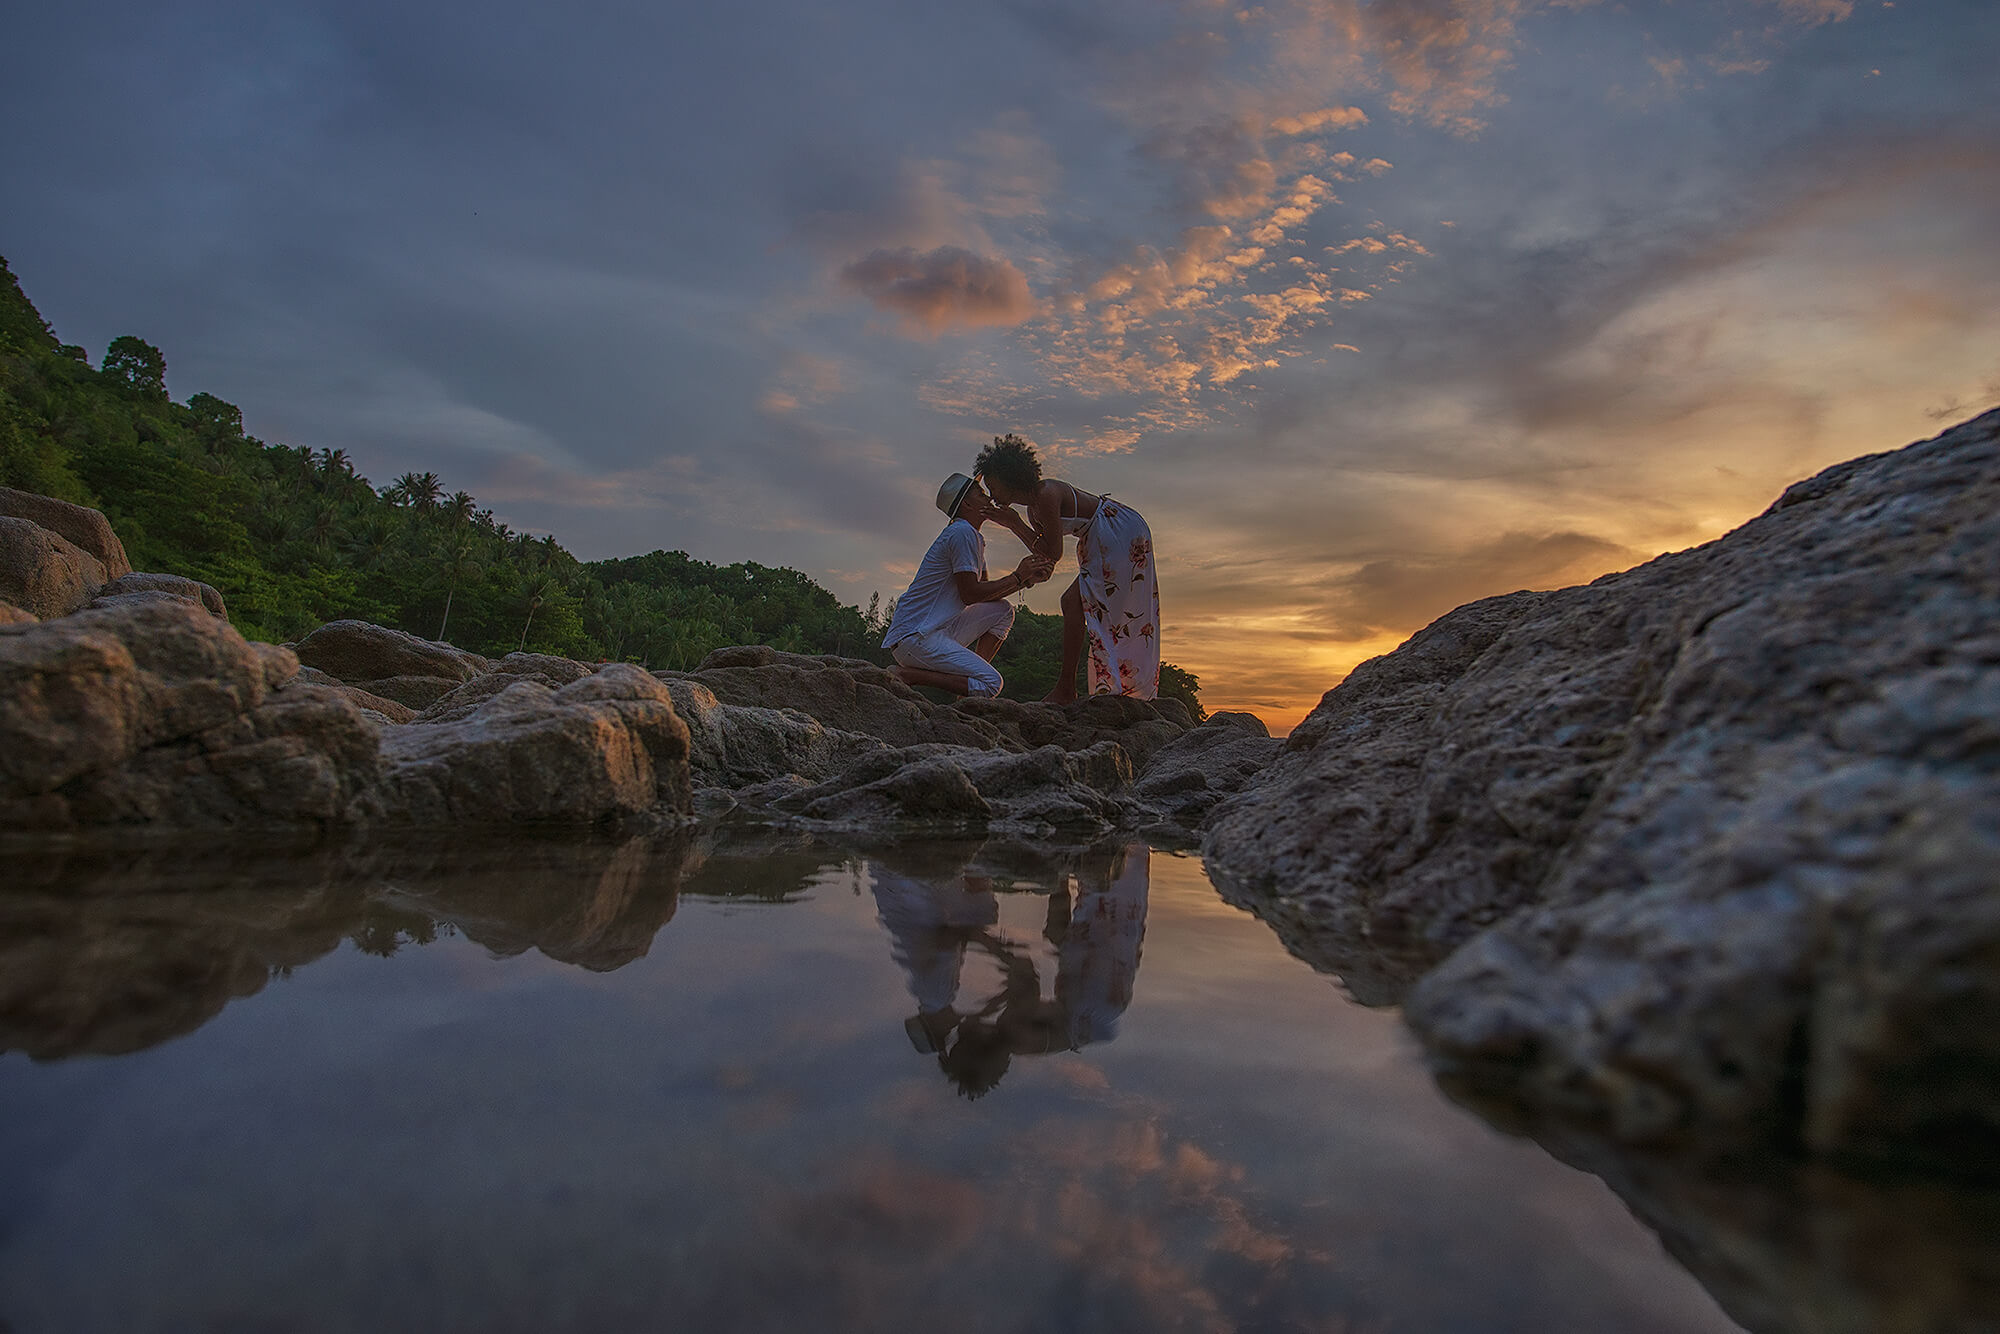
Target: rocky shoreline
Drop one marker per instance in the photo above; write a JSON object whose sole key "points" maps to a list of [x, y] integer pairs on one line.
{"points": [[1703, 857], [1698, 858]]}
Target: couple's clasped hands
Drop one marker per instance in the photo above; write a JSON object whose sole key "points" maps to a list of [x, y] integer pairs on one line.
{"points": [[1034, 569]]}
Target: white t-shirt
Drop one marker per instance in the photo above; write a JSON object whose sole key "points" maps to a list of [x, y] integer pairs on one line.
{"points": [[932, 598]]}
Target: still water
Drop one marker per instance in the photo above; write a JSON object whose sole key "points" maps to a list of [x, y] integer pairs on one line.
{"points": [[681, 1086]]}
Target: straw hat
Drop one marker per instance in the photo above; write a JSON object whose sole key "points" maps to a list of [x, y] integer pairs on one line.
{"points": [[953, 493]]}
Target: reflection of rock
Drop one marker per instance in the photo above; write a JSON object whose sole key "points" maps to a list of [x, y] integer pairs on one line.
{"points": [[1809, 1251], [103, 952], [1712, 839], [597, 906]]}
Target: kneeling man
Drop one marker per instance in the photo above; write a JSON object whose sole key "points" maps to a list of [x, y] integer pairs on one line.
{"points": [[952, 619]]}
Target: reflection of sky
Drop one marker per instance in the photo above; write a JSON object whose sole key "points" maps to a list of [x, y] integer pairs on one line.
{"points": [[733, 1132], [1372, 307]]}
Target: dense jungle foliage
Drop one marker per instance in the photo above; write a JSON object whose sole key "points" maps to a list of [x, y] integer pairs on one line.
{"points": [[294, 537]]}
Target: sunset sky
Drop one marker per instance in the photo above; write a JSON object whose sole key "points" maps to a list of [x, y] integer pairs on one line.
{"points": [[1371, 306]]}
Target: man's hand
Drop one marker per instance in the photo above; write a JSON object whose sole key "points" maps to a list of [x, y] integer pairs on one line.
{"points": [[1034, 569]]}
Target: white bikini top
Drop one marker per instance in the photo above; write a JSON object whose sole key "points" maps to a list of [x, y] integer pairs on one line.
{"points": [[1078, 526]]}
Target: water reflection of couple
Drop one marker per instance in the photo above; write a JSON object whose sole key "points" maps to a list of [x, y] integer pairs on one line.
{"points": [[1096, 920]]}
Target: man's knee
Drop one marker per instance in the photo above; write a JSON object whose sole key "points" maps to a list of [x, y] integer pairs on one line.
{"points": [[986, 681]]}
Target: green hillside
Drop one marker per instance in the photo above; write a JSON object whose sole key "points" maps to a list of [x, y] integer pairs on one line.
{"points": [[294, 537]]}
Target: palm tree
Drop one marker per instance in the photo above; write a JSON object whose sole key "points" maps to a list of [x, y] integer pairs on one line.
{"points": [[455, 565], [461, 506], [426, 489]]}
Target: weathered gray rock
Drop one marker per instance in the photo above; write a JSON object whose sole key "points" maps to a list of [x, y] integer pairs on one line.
{"points": [[461, 701], [190, 590], [733, 746], [1185, 778], [1141, 727], [1713, 838], [82, 527], [90, 691], [153, 712], [844, 694], [603, 747], [1042, 791], [44, 573], [367, 655], [388, 710], [416, 693], [301, 759], [545, 667]]}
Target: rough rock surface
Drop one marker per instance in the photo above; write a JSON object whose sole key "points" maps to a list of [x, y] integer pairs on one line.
{"points": [[1185, 778], [546, 667], [81, 527], [1712, 838], [190, 590], [13, 615], [415, 693], [733, 746], [842, 693], [1041, 791], [43, 572], [602, 747], [367, 655], [151, 711]]}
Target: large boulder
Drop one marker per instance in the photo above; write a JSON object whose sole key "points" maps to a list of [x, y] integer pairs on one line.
{"points": [[83, 528], [367, 655], [1712, 839], [88, 692], [43, 572], [1042, 792], [415, 693], [202, 595], [1140, 727], [844, 694], [1187, 777], [737, 745], [597, 749]]}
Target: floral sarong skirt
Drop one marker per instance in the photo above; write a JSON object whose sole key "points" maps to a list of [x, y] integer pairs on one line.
{"points": [[1121, 602]]}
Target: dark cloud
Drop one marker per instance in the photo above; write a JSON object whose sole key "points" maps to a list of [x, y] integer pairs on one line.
{"points": [[945, 288]]}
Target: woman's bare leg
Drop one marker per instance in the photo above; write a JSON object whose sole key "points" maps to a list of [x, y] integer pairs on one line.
{"points": [[1072, 605]]}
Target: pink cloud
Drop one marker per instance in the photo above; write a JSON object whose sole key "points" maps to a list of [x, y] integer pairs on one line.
{"points": [[945, 288]]}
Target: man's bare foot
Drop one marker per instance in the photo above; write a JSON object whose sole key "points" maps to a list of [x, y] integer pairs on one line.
{"points": [[1060, 696]]}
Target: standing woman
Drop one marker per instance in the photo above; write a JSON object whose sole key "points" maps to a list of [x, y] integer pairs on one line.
{"points": [[1114, 604]]}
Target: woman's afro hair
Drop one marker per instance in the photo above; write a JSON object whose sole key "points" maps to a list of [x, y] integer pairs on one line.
{"points": [[1012, 460]]}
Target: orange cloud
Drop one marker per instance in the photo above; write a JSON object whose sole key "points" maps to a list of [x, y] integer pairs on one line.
{"points": [[941, 289], [1327, 118]]}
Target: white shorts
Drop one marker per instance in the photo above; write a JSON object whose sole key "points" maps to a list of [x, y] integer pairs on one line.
{"points": [[947, 648]]}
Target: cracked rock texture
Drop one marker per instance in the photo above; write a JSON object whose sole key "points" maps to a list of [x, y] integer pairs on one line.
{"points": [[1700, 855]]}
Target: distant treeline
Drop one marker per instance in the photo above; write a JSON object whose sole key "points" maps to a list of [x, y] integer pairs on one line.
{"points": [[294, 537]]}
